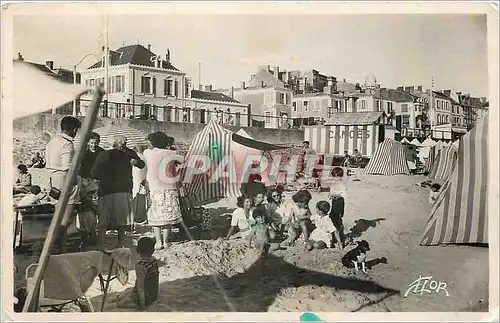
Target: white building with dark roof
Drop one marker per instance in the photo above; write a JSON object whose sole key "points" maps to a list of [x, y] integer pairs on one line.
{"points": [[144, 85]]}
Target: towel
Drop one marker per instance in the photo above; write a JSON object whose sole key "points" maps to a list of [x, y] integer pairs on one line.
{"points": [[123, 262]]}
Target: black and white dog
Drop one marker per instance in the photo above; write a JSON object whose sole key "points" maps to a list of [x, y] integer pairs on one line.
{"points": [[357, 256]]}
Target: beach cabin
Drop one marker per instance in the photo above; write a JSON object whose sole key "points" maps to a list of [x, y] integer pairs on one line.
{"points": [[348, 131]]}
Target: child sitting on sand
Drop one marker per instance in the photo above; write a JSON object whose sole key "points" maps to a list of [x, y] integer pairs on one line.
{"points": [[242, 217], [434, 193], [321, 237], [147, 282], [299, 221]]}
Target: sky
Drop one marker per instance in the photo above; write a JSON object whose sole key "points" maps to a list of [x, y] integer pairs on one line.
{"points": [[398, 49]]}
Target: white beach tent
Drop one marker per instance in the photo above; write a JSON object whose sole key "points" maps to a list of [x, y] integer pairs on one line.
{"points": [[459, 215], [426, 153], [456, 143], [389, 159], [415, 142], [405, 141]]}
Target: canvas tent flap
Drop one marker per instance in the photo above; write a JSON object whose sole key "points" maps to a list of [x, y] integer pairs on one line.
{"points": [[255, 144], [459, 216], [389, 159]]}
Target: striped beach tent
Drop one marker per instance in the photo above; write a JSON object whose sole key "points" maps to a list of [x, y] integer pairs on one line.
{"points": [[426, 154], [389, 159], [460, 212], [134, 136], [444, 163], [213, 141]]}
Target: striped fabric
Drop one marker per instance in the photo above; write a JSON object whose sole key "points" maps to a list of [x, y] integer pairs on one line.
{"points": [[389, 159], [431, 158], [215, 142], [334, 140], [460, 212], [134, 136], [444, 163]]}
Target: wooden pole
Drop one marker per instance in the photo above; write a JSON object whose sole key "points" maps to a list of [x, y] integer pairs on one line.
{"points": [[31, 303]]}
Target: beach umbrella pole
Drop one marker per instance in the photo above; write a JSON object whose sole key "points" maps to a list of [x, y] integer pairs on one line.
{"points": [[31, 303]]}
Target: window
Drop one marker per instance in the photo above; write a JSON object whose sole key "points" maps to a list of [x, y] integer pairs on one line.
{"points": [[404, 108], [288, 98], [168, 87], [294, 104], [281, 98], [176, 89], [92, 83], [331, 111], [154, 85], [389, 107], [317, 106], [145, 84], [118, 84], [186, 89], [268, 117], [379, 106], [306, 107], [362, 104]]}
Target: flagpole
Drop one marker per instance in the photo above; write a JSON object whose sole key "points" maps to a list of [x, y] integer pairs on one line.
{"points": [[31, 303], [106, 61], [431, 107]]}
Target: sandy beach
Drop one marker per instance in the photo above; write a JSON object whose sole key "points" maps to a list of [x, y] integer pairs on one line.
{"points": [[391, 214]]}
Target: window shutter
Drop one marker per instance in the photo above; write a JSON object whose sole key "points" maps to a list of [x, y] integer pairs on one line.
{"points": [[142, 84], [154, 85], [165, 87], [176, 88], [123, 83]]}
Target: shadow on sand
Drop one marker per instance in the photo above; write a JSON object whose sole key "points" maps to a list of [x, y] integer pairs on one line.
{"points": [[255, 290], [361, 226]]}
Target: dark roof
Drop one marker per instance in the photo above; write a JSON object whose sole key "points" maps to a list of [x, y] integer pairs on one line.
{"points": [[133, 54], [61, 74], [212, 96], [396, 95]]}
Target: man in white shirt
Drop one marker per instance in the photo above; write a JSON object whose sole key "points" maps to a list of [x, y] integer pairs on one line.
{"points": [[58, 155]]}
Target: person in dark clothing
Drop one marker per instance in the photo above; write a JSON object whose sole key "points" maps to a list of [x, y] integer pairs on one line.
{"points": [[113, 169], [90, 155], [38, 161]]}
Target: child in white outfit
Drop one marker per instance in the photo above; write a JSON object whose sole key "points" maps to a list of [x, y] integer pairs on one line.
{"points": [[434, 193], [321, 237]]}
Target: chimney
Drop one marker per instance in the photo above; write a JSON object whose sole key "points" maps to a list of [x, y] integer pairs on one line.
{"points": [[232, 92], [412, 89], [327, 89], [400, 88], [407, 89], [208, 88], [419, 88], [50, 65], [276, 72], [149, 47], [200, 87], [158, 61], [20, 57], [167, 56], [343, 80], [263, 83], [242, 85], [447, 92], [483, 100]]}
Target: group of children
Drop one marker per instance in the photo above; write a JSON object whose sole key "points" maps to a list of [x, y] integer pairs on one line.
{"points": [[266, 225]]}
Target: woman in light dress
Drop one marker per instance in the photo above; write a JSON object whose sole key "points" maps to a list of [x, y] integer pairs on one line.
{"points": [[164, 210]]}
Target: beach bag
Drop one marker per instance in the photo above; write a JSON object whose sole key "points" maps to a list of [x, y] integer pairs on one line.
{"points": [[187, 210]]}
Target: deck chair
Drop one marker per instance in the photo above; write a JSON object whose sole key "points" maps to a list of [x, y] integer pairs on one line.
{"points": [[55, 305]]}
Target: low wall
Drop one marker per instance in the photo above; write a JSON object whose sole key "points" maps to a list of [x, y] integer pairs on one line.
{"points": [[182, 132]]}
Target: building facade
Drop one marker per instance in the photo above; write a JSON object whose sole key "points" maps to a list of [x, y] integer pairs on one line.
{"points": [[314, 108], [472, 108], [147, 86], [269, 98]]}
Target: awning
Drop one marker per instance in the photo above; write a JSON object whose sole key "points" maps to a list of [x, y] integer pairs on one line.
{"points": [[252, 143], [354, 118], [460, 130]]}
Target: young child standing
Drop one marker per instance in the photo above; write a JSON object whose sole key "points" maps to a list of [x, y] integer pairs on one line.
{"points": [[338, 193], [321, 237], [434, 193], [147, 282], [260, 235]]}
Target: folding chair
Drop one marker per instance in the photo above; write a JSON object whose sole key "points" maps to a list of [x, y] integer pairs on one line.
{"points": [[55, 305]]}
